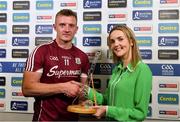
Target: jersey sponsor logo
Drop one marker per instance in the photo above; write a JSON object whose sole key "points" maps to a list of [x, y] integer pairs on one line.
{"points": [[12, 67], [117, 3], [78, 60], [21, 5], [20, 41], [19, 105], [168, 41], [16, 81], [3, 17], [20, 29], [146, 54], [44, 29], [21, 17], [168, 54], [53, 58], [142, 15], [92, 16], [2, 81], [44, 5], [2, 53], [169, 14], [92, 28], [3, 29], [55, 72], [91, 41], [144, 40], [168, 27], [142, 3], [2, 93], [168, 99], [3, 5], [92, 4]]}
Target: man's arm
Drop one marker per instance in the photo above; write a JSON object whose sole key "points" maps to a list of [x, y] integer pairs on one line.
{"points": [[31, 86]]}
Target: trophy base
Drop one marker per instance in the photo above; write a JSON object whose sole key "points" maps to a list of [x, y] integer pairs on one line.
{"points": [[80, 109]]}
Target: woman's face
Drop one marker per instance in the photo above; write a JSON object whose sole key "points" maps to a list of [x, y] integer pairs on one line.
{"points": [[120, 44]]}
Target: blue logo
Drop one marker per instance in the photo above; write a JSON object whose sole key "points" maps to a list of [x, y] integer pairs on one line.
{"points": [[20, 41], [3, 29], [2, 53], [168, 99], [111, 26], [168, 41], [44, 29], [20, 17], [92, 4], [19, 105], [92, 28], [91, 41], [12, 67], [142, 15], [3, 5], [2, 93], [142, 3], [44, 5], [146, 54], [168, 28], [144, 40]]}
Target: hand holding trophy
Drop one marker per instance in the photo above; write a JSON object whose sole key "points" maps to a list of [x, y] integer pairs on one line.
{"points": [[85, 105]]}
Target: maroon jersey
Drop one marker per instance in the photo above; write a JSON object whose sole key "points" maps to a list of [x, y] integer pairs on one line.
{"points": [[57, 65]]}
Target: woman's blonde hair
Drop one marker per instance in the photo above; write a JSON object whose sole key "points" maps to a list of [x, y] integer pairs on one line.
{"points": [[131, 37]]}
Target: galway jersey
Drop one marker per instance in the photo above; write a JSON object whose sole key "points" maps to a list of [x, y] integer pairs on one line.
{"points": [[57, 65]]}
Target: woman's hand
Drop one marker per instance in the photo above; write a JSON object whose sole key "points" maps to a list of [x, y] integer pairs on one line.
{"points": [[100, 111]]}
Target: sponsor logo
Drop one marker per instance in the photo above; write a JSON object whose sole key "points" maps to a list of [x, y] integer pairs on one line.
{"points": [[3, 17], [20, 53], [117, 3], [53, 58], [16, 81], [3, 29], [117, 16], [143, 29], [20, 29], [2, 93], [20, 17], [168, 54], [92, 28], [165, 69], [3, 5], [44, 18], [20, 41], [19, 105], [17, 94], [146, 54], [111, 26], [170, 112], [149, 114], [168, 86], [2, 105], [168, 41], [168, 14], [2, 81], [92, 4], [42, 40], [44, 29], [103, 69], [44, 5], [142, 3], [144, 40], [91, 41], [142, 15], [21, 5], [168, 99], [168, 27], [2, 53], [168, 1], [12, 67], [92, 16], [3, 42], [70, 4]]}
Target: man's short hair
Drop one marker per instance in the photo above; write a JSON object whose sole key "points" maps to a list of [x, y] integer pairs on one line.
{"points": [[67, 12]]}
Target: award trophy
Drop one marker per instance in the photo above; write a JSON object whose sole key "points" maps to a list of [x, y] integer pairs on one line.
{"points": [[84, 106]]}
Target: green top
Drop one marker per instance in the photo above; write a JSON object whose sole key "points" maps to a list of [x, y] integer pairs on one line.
{"points": [[128, 93]]}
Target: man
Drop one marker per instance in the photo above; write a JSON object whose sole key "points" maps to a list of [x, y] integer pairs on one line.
{"points": [[52, 70]]}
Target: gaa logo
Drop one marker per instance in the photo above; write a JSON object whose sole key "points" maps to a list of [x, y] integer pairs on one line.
{"points": [[167, 67]]}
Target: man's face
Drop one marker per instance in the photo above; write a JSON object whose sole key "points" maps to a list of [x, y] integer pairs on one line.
{"points": [[66, 28]]}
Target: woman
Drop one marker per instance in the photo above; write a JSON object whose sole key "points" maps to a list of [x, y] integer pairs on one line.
{"points": [[128, 93]]}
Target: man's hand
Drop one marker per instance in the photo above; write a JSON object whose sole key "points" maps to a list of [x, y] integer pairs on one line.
{"points": [[72, 89], [100, 111]]}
